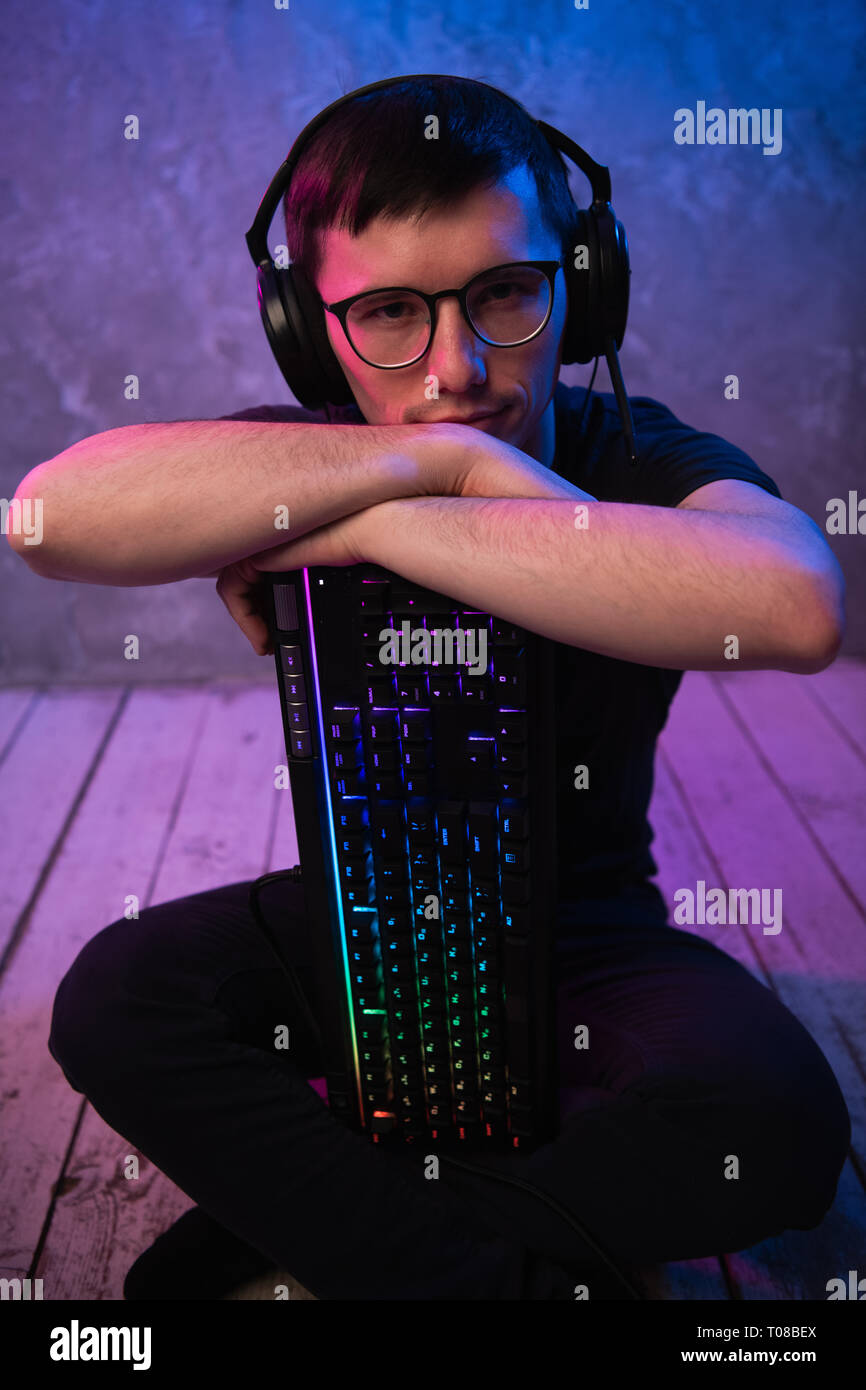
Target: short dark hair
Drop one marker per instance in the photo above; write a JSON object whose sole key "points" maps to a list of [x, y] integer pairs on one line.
{"points": [[371, 158]]}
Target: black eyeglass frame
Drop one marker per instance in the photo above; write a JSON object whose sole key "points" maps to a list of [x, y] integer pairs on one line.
{"points": [[340, 308]]}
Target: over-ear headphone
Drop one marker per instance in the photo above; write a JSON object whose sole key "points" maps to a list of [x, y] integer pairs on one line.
{"points": [[597, 280]]}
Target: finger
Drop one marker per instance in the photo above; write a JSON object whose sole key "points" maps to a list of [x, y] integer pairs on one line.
{"points": [[235, 595]]}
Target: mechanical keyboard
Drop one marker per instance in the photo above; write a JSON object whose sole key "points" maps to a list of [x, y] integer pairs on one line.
{"points": [[420, 742]]}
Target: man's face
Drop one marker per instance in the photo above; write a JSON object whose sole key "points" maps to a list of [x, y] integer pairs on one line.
{"points": [[443, 249]]}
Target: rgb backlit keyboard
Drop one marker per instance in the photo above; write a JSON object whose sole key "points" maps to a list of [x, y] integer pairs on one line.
{"points": [[420, 747]]}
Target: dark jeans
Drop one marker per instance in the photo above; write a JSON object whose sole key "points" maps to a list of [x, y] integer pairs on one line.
{"points": [[167, 1024]]}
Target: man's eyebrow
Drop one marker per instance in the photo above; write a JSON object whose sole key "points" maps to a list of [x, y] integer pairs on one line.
{"points": [[402, 284]]}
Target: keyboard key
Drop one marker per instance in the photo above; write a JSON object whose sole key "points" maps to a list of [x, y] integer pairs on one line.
{"points": [[511, 758], [485, 891], [344, 724], [517, 922], [481, 753], [298, 715], [421, 824], [291, 659], [518, 1048], [451, 836], [395, 898], [458, 952], [482, 833], [509, 675], [520, 1091], [387, 784], [389, 831], [417, 783], [380, 689], [506, 634], [352, 783], [514, 858], [487, 919], [515, 888], [399, 971], [346, 757], [411, 686], [301, 744], [511, 727], [352, 816], [477, 690], [384, 725], [416, 757], [396, 948], [520, 1121], [361, 929], [374, 597], [514, 820], [385, 757], [351, 843], [444, 689], [512, 784], [295, 687], [415, 726]]}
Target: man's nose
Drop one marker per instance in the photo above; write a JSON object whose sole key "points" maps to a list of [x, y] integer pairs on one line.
{"points": [[456, 355]]}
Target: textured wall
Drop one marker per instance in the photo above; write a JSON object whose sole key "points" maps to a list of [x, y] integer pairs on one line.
{"points": [[128, 256]]}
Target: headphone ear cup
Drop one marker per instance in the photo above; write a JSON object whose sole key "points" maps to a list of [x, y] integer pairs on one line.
{"points": [[615, 276], [328, 378], [289, 312], [578, 340], [598, 294]]}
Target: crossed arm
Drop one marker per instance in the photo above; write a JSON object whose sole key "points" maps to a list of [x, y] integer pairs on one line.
{"points": [[664, 586], [731, 578]]}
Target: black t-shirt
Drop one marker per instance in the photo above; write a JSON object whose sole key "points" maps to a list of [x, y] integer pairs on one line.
{"points": [[609, 711]]}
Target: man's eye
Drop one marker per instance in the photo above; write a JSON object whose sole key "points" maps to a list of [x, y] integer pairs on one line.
{"points": [[501, 290], [393, 311]]}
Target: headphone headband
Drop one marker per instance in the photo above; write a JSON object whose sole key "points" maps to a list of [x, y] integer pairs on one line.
{"points": [[257, 236]]}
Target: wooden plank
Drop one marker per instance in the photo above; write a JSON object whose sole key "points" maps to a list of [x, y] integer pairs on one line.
{"points": [[822, 776], [102, 1219], [840, 692], [222, 827], [680, 853], [43, 772], [219, 836], [284, 840], [16, 703], [684, 855], [110, 850], [730, 792], [779, 1260]]}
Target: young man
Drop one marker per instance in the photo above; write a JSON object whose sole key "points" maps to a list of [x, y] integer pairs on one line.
{"points": [[166, 1024]]}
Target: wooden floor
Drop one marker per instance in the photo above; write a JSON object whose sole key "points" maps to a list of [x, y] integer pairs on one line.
{"points": [[169, 790]]}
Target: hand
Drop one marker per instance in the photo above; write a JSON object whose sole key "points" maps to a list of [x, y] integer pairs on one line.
{"points": [[470, 463], [243, 591]]}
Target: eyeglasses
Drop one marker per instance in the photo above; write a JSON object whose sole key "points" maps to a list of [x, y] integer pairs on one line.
{"points": [[504, 306]]}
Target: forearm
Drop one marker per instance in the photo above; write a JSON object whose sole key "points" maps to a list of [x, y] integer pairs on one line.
{"points": [[149, 504], [652, 585]]}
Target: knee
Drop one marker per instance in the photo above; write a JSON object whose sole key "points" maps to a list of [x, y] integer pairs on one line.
{"points": [[811, 1144], [91, 1011], [799, 1132]]}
